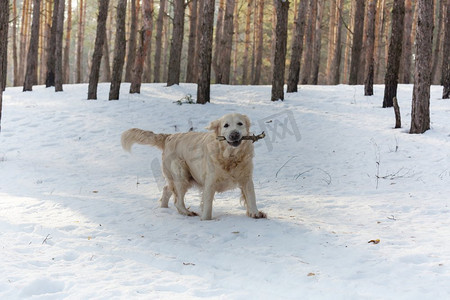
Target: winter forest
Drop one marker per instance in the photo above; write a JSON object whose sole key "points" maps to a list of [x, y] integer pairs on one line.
{"points": [[56, 42]]}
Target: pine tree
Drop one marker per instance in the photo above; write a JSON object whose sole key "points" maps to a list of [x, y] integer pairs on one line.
{"points": [[158, 42], [357, 41], [131, 42], [32, 57], [370, 39], [59, 47], [177, 43], [4, 19], [420, 112], [190, 68], [446, 55]]}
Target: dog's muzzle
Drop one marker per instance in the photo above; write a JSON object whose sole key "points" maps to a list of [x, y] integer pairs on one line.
{"points": [[234, 139]]}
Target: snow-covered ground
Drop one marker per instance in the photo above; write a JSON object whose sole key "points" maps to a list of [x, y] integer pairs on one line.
{"points": [[80, 218]]}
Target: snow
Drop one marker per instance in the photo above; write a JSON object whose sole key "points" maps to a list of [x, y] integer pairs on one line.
{"points": [[80, 218]]}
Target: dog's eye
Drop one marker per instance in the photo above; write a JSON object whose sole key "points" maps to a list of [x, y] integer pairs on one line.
{"points": [[240, 124], [226, 125]]}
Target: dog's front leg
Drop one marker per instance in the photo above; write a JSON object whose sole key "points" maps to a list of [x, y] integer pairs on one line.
{"points": [[248, 191], [207, 201]]}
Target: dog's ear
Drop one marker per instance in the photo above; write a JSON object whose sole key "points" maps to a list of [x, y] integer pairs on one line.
{"points": [[247, 122], [214, 125]]}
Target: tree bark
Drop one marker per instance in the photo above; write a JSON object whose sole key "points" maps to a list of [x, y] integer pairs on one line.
{"points": [[145, 41], [32, 57], [406, 60], [357, 41], [226, 44], [158, 42], [446, 55], [420, 113], [4, 19], [131, 42], [190, 68], [205, 50], [297, 47], [217, 41], [435, 71], [282, 9], [59, 47], [314, 77], [309, 41], [80, 39], [259, 43], [395, 53], [24, 30], [106, 60], [379, 30], [119, 51], [66, 61], [335, 64], [98, 48], [177, 43], [50, 78], [14, 44], [370, 39], [245, 63]]}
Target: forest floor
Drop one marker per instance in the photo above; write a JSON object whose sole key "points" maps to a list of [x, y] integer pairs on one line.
{"points": [[356, 209]]}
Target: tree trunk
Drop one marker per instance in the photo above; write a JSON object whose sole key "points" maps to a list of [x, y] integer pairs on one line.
{"points": [[4, 20], [80, 39], [217, 39], [131, 42], [106, 60], [205, 50], [147, 72], [165, 51], [406, 60], [59, 47], [190, 68], [420, 113], [317, 45], [236, 44], [245, 63], [201, 4], [226, 44], [145, 41], [158, 43], [98, 48], [379, 30], [309, 40], [50, 78], [259, 43], [446, 55], [32, 58], [395, 53], [331, 37], [357, 42], [335, 64], [24, 30], [119, 51], [282, 9], [435, 71], [370, 39], [66, 61], [177, 43], [14, 44], [348, 42]]}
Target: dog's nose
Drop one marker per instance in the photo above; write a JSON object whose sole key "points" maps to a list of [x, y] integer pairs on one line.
{"points": [[235, 136]]}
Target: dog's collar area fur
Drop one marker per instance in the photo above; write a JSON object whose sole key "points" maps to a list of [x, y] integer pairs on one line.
{"points": [[253, 138]]}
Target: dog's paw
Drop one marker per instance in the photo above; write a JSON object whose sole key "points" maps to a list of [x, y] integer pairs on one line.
{"points": [[192, 214], [257, 215]]}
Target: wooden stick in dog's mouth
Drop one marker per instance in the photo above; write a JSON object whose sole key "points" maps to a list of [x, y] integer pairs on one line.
{"points": [[253, 138]]}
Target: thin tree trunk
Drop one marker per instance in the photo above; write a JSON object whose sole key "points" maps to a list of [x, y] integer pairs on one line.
{"points": [[446, 55], [217, 39], [14, 44], [335, 63], [259, 43], [282, 9], [165, 48], [131, 42], [145, 42], [226, 43], [370, 39], [80, 39], [395, 53], [314, 77], [236, 44], [245, 64], [201, 4], [24, 30], [437, 57], [357, 42], [177, 43], [67, 44], [98, 48], [59, 47], [147, 72], [158, 44], [379, 30], [190, 68], [50, 78], [331, 37], [348, 42], [32, 57], [119, 51], [420, 112], [205, 50], [106, 60], [309, 40], [406, 60]]}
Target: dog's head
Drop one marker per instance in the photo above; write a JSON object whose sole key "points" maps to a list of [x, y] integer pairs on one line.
{"points": [[231, 126]]}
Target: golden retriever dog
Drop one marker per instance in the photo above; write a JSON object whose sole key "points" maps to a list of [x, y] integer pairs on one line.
{"points": [[200, 159]]}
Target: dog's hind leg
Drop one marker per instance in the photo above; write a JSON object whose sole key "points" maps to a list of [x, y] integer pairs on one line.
{"points": [[181, 184], [165, 197]]}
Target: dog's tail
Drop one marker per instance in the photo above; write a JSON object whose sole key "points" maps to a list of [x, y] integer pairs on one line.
{"points": [[143, 137]]}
